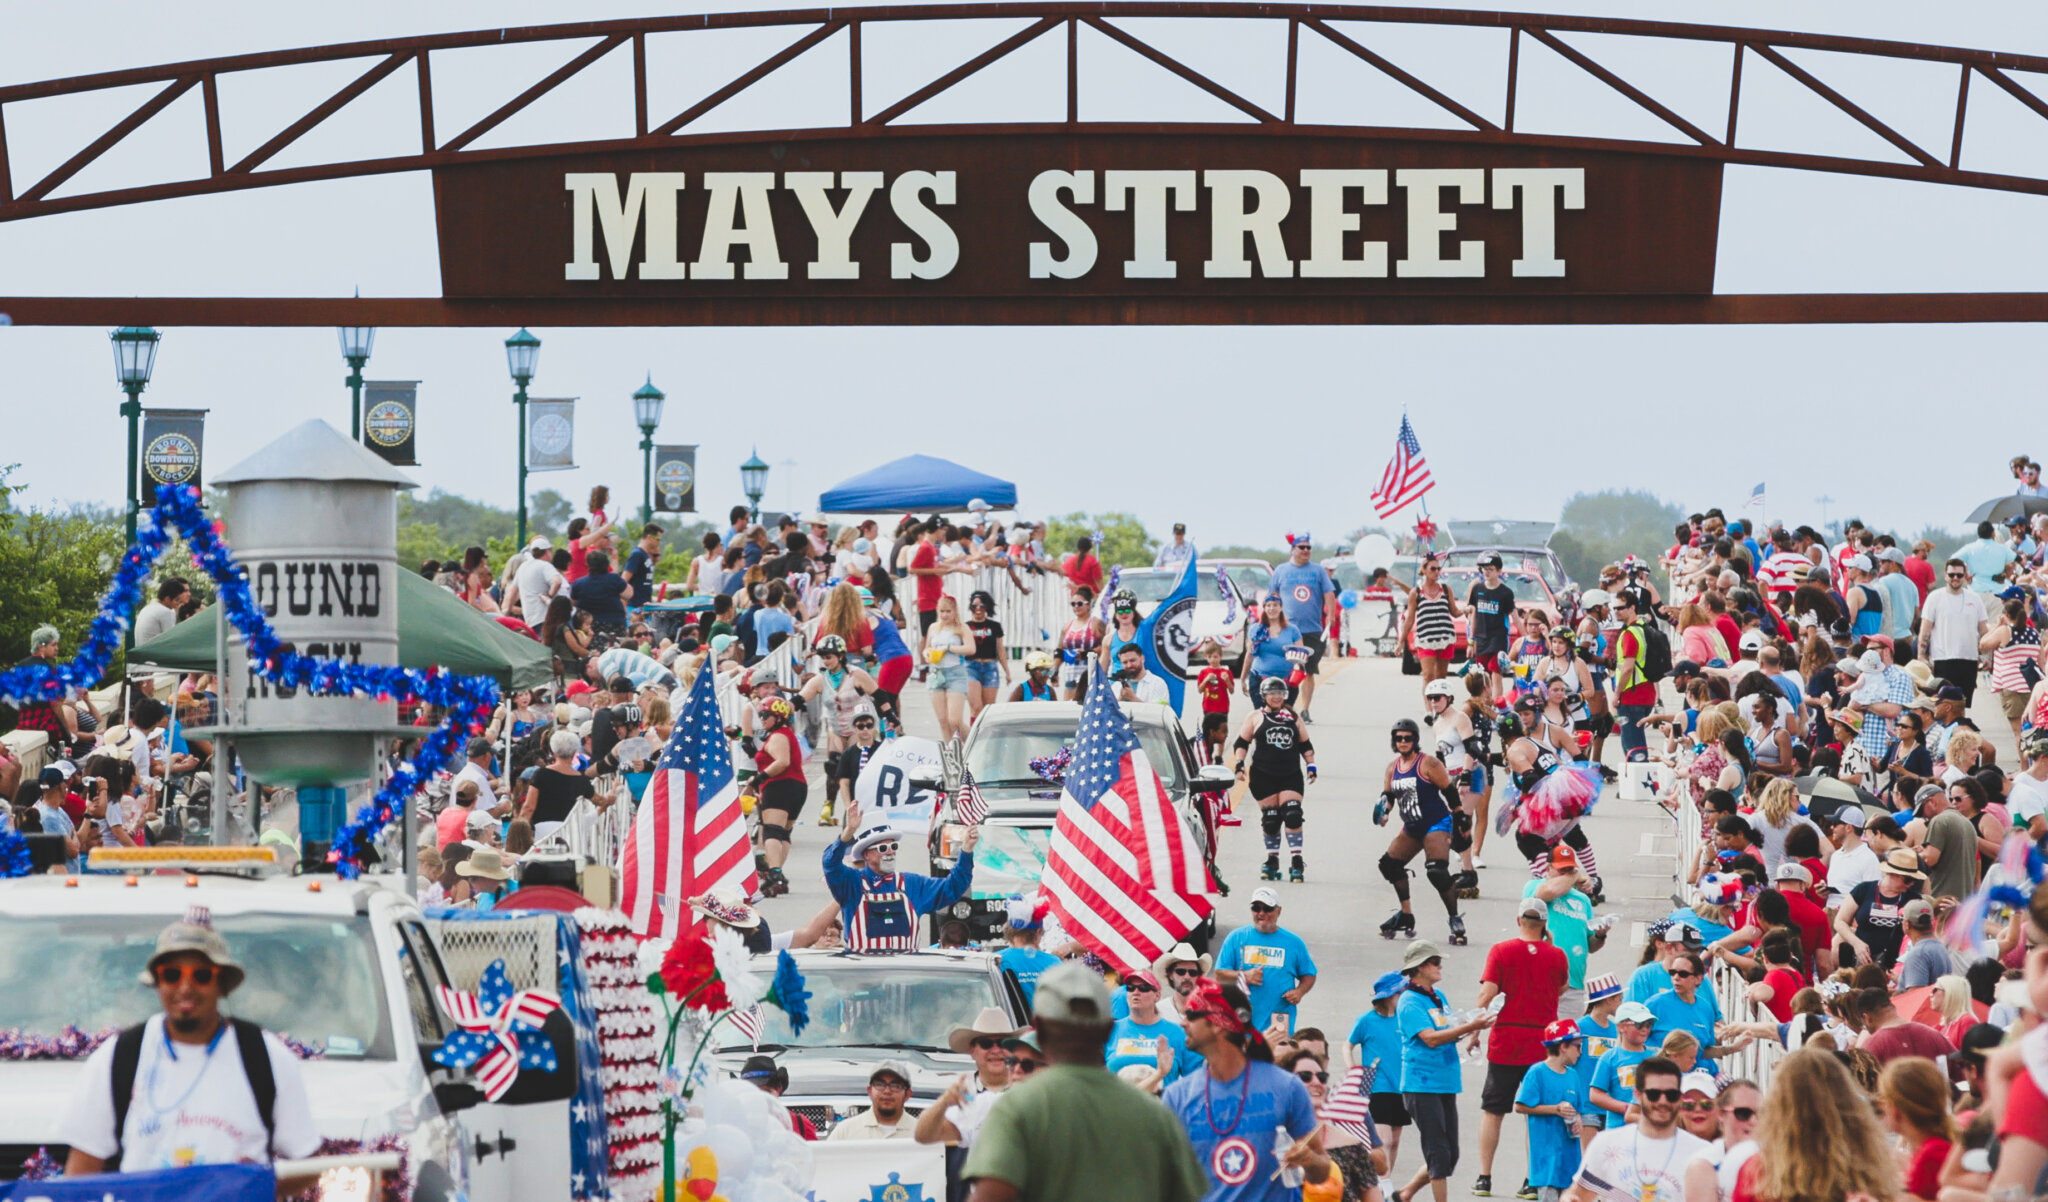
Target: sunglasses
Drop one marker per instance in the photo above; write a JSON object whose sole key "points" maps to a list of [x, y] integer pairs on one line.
{"points": [[1743, 1114], [1023, 1066], [1404, 738], [171, 974], [1138, 987], [1184, 972], [1703, 1106], [1077, 605], [986, 1044], [1319, 1078], [1658, 1095], [1682, 972], [1955, 575], [1262, 908], [864, 724]]}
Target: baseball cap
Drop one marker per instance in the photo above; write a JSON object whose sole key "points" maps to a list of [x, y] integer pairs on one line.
{"points": [[1918, 914], [1682, 932], [1858, 561], [1599, 989], [1564, 1030], [1752, 640], [1685, 667], [1180, 527], [1388, 984], [1264, 896], [1635, 1012], [540, 543], [50, 777], [480, 746], [1926, 794], [1489, 559], [1071, 993], [1851, 815], [1532, 907], [1698, 1082], [1142, 976], [899, 1069], [1948, 692], [1562, 856], [1792, 870], [1891, 555]]}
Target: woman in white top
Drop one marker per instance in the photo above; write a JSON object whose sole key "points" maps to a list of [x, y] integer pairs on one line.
{"points": [[1777, 812]]}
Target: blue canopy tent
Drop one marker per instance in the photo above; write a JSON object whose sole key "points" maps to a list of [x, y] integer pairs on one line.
{"points": [[917, 482]]}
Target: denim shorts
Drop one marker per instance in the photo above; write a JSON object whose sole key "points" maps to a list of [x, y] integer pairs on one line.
{"points": [[985, 672], [947, 680]]}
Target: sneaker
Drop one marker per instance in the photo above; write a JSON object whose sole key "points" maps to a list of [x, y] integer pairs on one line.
{"points": [[1527, 1191], [1478, 862], [1483, 1188]]}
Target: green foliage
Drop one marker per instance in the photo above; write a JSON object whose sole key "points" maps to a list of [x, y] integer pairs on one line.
{"points": [[53, 568], [1272, 555], [548, 513], [1600, 528], [1124, 542]]}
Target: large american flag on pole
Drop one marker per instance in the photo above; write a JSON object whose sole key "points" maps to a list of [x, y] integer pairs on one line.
{"points": [[1406, 477], [688, 837], [1124, 875]]}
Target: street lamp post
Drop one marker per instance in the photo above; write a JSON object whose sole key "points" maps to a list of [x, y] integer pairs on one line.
{"points": [[134, 359], [647, 412], [522, 351], [754, 481], [356, 342]]}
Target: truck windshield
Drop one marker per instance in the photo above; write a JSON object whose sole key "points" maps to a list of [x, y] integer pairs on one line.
{"points": [[1002, 752], [1010, 859], [869, 1004], [314, 978]]}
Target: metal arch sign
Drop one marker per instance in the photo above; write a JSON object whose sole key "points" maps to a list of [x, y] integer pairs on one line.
{"points": [[1003, 222]]}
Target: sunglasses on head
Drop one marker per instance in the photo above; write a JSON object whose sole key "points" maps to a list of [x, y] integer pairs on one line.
{"points": [[1306, 1075], [1658, 1095], [1022, 1065], [171, 974]]}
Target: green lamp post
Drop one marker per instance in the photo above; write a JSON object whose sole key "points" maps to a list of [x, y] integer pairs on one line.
{"points": [[647, 401], [134, 360], [754, 481], [522, 352], [356, 342]]}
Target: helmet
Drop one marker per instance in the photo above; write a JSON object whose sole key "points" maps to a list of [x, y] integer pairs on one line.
{"points": [[1508, 727], [1406, 726], [778, 708], [1273, 684], [866, 596], [1038, 661], [1528, 701], [1440, 687], [831, 644], [1596, 596], [1123, 597]]}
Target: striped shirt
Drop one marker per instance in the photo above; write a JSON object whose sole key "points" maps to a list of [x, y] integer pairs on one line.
{"points": [[1434, 628], [2006, 674], [1876, 736]]}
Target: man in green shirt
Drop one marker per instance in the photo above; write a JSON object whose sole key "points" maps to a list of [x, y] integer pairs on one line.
{"points": [[1571, 925], [1074, 1130], [1948, 851]]}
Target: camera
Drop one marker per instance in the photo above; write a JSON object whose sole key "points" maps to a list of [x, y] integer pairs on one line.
{"points": [[1123, 674]]}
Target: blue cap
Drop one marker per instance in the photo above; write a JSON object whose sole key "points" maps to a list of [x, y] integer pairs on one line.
{"points": [[1388, 985]]}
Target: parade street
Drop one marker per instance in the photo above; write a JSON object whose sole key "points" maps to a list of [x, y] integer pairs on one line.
{"points": [[1339, 908]]}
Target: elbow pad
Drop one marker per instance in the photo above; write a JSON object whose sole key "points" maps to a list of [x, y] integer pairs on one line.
{"points": [[1241, 743], [1304, 747]]}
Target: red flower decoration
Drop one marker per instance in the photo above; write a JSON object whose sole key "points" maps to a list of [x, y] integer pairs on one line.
{"points": [[692, 976]]}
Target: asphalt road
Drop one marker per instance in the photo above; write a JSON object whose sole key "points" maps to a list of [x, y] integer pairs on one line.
{"points": [[1339, 908]]}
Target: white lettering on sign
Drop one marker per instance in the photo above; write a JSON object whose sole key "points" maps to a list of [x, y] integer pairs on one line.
{"points": [[1246, 212], [1540, 187]]}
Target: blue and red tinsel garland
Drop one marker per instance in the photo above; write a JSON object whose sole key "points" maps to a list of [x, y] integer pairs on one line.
{"points": [[468, 700]]}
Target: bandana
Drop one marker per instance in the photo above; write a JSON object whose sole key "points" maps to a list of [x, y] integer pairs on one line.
{"points": [[1208, 1002]]}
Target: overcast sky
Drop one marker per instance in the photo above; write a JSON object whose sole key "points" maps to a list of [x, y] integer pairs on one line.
{"points": [[1241, 432]]}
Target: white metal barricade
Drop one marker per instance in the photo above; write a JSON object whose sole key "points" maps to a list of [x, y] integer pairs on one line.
{"points": [[1760, 1059], [1032, 621]]}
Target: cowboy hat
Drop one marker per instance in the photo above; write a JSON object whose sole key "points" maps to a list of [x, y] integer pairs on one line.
{"points": [[1182, 953], [485, 862], [990, 1022], [1901, 861], [723, 905]]}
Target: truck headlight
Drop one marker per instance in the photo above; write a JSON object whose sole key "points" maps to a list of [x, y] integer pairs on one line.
{"points": [[952, 836]]}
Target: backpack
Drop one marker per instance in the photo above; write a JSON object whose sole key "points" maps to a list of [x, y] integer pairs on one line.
{"points": [[1655, 660], [255, 1066]]}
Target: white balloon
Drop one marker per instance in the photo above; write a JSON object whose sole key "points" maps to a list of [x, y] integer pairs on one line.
{"points": [[732, 1104], [735, 1153], [1374, 551]]}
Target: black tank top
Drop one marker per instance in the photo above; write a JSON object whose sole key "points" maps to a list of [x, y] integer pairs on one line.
{"points": [[1546, 763], [1275, 743]]}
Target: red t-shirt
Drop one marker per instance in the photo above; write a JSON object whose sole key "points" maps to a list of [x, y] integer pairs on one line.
{"points": [[1084, 570], [1906, 1039], [2026, 1111], [1730, 631], [579, 567], [1923, 1175], [1921, 573], [1626, 652], [1784, 983], [929, 588], [1532, 976], [1812, 922], [1215, 685]]}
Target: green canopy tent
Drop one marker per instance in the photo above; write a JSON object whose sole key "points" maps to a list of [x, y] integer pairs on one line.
{"points": [[435, 629]]}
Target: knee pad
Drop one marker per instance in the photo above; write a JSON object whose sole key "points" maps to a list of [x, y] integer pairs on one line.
{"points": [[1269, 821], [1394, 870], [1290, 813], [770, 830], [1439, 874]]}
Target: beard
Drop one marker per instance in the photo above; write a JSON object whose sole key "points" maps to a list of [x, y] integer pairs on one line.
{"points": [[887, 863], [187, 1024]]}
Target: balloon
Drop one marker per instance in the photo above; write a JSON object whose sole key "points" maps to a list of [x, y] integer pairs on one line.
{"points": [[1348, 598], [734, 1150], [1373, 551]]}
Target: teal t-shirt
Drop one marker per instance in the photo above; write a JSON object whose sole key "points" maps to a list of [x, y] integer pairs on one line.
{"points": [[1553, 1149], [1378, 1037], [1570, 925], [1426, 1069], [1601, 1038], [1284, 959], [1648, 981], [1616, 1074], [1132, 1042], [1026, 963]]}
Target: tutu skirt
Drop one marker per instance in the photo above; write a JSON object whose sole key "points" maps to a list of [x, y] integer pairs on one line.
{"points": [[1558, 800]]}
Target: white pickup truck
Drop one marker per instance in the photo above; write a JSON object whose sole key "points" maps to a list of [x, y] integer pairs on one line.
{"points": [[345, 968]]}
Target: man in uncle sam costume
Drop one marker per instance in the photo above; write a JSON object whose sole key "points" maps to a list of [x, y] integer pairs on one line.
{"points": [[879, 904]]}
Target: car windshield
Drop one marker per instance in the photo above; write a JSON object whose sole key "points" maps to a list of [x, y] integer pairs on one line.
{"points": [[314, 978], [1010, 859], [1528, 589], [1534, 562], [903, 1002], [1002, 751], [1148, 587], [1251, 579], [1345, 572]]}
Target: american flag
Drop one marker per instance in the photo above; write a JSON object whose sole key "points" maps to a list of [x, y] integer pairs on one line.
{"points": [[1348, 1105], [1123, 875], [688, 837], [748, 1021], [971, 807], [1406, 477], [1756, 498]]}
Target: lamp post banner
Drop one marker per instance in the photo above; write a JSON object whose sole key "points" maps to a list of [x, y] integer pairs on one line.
{"points": [[675, 479], [999, 220], [550, 434], [173, 444], [391, 411]]}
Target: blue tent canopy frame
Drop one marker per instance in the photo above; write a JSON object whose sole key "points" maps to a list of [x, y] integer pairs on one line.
{"points": [[917, 482]]}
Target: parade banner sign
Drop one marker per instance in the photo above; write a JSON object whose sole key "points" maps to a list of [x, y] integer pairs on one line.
{"points": [[1083, 215], [210, 1183], [391, 410], [883, 789], [172, 443], [675, 479], [876, 1170], [550, 435]]}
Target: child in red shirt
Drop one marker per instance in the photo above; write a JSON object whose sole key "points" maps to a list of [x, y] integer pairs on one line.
{"points": [[1215, 682]]}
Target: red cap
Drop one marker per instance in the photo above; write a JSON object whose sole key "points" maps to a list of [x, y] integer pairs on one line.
{"points": [[1562, 856], [1564, 1030]]}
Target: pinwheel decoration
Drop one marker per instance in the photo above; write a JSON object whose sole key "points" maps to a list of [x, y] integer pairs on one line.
{"points": [[499, 1030]]}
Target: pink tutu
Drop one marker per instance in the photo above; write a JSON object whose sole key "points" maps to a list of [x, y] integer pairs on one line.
{"points": [[1558, 800]]}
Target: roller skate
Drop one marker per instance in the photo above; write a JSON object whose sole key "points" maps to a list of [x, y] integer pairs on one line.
{"points": [[1294, 873], [826, 817], [1468, 885], [1270, 871], [1400, 926], [1458, 938]]}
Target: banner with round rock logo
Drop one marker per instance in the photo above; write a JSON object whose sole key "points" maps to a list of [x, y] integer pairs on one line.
{"points": [[675, 479], [391, 419], [172, 443]]}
